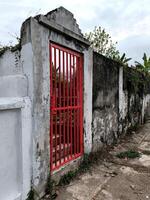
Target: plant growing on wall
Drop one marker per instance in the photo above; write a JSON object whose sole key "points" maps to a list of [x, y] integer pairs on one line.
{"points": [[9, 47], [145, 67]]}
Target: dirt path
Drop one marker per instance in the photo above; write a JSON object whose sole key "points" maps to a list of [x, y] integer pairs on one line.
{"points": [[113, 178]]}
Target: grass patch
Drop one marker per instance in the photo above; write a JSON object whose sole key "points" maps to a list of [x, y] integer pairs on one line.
{"points": [[85, 165], [132, 129], [67, 178], [50, 187], [33, 194], [128, 154]]}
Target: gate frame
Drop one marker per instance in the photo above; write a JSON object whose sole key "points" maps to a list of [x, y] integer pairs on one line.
{"points": [[81, 135]]}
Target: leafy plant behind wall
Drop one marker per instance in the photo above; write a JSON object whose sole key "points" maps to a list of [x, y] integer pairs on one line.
{"points": [[102, 43], [145, 67], [122, 59]]}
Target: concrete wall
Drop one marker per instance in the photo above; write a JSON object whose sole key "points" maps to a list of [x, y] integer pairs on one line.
{"points": [[105, 101], [121, 100], [134, 98]]}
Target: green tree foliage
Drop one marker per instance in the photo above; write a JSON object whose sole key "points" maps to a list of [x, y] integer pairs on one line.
{"points": [[102, 43], [122, 59], [145, 67]]}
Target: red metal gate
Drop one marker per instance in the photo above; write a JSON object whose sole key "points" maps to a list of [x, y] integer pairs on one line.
{"points": [[66, 123]]}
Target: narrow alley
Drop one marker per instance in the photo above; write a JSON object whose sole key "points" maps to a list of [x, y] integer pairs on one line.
{"points": [[114, 178]]}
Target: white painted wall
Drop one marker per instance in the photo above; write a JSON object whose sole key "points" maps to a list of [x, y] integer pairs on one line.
{"points": [[15, 129], [10, 154], [13, 86], [10, 63], [15, 148]]}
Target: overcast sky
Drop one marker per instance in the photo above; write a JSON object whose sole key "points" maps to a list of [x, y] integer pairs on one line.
{"points": [[127, 21]]}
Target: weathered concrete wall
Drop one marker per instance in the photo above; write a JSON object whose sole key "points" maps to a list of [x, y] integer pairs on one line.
{"points": [[134, 98], [35, 59], [121, 100], [105, 101], [146, 107]]}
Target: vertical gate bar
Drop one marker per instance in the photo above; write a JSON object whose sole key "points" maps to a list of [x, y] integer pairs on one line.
{"points": [[59, 65], [76, 132], [71, 104], [67, 145], [75, 94], [81, 103], [55, 137], [79, 131], [74, 135], [64, 84], [72, 121], [51, 140], [77, 91], [78, 99], [51, 115]]}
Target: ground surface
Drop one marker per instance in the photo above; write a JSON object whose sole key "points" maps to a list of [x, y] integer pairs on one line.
{"points": [[113, 178]]}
